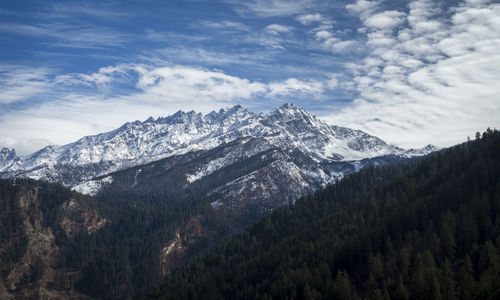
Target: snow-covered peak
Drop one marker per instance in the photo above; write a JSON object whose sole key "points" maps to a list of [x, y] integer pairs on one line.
{"points": [[290, 111], [235, 113], [323, 141], [422, 151], [430, 148], [181, 117], [294, 120]]}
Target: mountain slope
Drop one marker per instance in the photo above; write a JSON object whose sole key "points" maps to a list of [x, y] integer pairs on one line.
{"points": [[425, 230], [37, 221]]}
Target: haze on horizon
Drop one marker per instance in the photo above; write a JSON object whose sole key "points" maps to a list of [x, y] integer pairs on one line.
{"points": [[412, 73]]}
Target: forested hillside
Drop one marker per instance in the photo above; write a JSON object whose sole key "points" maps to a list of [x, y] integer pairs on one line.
{"points": [[38, 223], [58, 243], [429, 229]]}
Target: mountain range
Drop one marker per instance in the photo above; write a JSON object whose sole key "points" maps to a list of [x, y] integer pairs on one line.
{"points": [[311, 152], [244, 164]]}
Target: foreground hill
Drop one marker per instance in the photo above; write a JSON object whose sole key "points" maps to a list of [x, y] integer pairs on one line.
{"points": [[59, 244], [429, 229], [39, 223]]}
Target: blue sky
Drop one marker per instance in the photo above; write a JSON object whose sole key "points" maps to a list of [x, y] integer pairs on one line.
{"points": [[411, 72]]}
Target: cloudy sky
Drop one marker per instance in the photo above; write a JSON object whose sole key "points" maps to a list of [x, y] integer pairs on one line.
{"points": [[410, 72]]}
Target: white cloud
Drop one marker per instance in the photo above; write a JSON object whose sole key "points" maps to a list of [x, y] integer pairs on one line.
{"points": [[332, 81], [331, 42], [104, 76], [310, 18], [191, 84], [329, 39], [69, 11], [363, 8], [74, 36], [419, 85], [182, 84], [224, 25], [323, 35], [18, 84], [277, 29], [202, 56], [270, 8], [385, 20], [295, 86], [343, 46], [71, 26]]}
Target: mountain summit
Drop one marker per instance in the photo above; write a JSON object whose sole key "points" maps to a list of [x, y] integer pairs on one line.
{"points": [[287, 128]]}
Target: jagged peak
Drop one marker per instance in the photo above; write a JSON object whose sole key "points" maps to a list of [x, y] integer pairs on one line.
{"points": [[7, 154], [428, 147], [431, 147], [129, 124], [290, 108], [290, 105], [180, 117], [7, 150], [226, 110], [236, 109], [290, 111], [225, 113], [422, 151], [149, 120]]}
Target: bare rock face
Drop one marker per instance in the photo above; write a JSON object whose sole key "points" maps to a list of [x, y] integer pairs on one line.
{"points": [[194, 233], [77, 218]]}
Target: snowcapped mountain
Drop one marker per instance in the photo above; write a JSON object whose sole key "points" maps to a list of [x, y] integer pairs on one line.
{"points": [[294, 134]]}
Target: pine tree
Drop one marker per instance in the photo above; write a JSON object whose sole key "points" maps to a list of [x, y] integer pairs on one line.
{"points": [[401, 292], [342, 286], [448, 285], [466, 280]]}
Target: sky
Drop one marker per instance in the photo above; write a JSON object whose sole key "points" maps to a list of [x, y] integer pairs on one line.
{"points": [[410, 72]]}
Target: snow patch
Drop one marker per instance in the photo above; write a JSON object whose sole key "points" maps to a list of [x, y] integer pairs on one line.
{"points": [[136, 177], [216, 204], [92, 187]]}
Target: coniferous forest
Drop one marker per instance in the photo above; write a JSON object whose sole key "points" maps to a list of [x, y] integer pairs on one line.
{"points": [[429, 229], [118, 260]]}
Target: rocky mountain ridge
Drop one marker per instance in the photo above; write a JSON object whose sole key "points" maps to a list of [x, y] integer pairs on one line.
{"points": [[288, 128]]}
